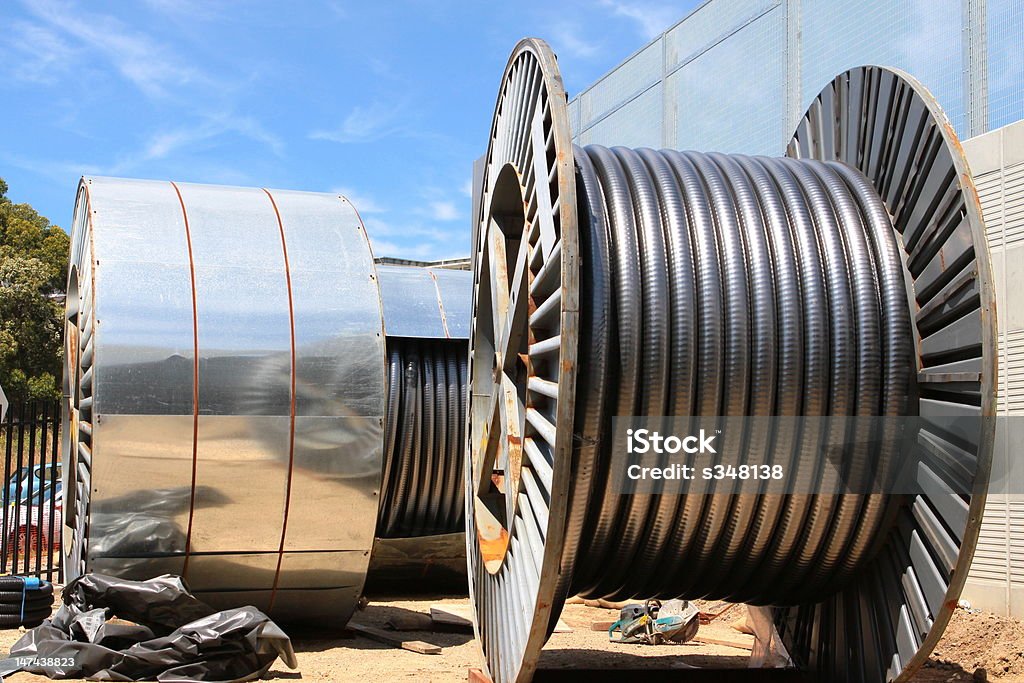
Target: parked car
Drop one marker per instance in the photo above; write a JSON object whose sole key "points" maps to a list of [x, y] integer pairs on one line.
{"points": [[29, 483], [32, 528]]}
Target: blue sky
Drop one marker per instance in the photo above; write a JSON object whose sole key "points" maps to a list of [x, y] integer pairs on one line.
{"points": [[387, 102]]}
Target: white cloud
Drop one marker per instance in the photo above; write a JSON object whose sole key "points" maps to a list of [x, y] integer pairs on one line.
{"points": [[144, 62], [338, 10], [652, 18], [467, 188], [566, 38], [363, 124], [412, 239], [58, 171], [444, 211], [185, 10], [419, 252], [164, 143], [36, 53], [364, 203]]}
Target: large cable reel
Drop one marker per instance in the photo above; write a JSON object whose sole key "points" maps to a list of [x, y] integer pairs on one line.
{"points": [[227, 402], [850, 278]]}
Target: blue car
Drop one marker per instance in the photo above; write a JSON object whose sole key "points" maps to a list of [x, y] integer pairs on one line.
{"points": [[40, 478]]}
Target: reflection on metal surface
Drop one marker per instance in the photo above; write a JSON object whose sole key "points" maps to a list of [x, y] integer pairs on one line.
{"points": [[431, 565], [222, 464], [425, 302]]}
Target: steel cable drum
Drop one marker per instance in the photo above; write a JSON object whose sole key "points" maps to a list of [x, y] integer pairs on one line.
{"points": [[426, 324], [850, 279], [420, 526], [225, 393]]}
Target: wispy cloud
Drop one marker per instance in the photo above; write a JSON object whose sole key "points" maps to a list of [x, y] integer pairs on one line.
{"points": [[419, 252], [213, 126], [35, 53], [409, 230], [59, 39], [651, 18], [444, 211], [414, 240], [338, 10], [567, 39], [185, 10], [149, 65], [363, 124], [467, 187], [364, 203], [57, 171]]}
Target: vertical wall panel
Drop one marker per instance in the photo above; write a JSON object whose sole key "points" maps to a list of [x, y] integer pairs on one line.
{"points": [[996, 579], [733, 72]]}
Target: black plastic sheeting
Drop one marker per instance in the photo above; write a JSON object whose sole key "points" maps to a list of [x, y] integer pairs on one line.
{"points": [[171, 636]]}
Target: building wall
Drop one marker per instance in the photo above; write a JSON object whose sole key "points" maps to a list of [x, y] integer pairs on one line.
{"points": [[996, 579], [736, 75]]}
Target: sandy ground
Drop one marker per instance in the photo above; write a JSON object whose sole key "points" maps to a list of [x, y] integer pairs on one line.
{"points": [[972, 641]]}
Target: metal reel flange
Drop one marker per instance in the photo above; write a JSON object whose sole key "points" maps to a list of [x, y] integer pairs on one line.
{"points": [[77, 405], [522, 364], [885, 625]]}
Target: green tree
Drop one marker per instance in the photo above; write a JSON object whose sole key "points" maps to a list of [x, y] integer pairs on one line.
{"points": [[33, 273]]}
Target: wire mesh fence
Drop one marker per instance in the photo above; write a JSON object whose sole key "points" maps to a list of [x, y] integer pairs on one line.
{"points": [[32, 495]]}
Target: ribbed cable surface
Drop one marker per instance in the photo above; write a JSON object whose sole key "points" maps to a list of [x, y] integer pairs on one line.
{"points": [[422, 492], [726, 285]]}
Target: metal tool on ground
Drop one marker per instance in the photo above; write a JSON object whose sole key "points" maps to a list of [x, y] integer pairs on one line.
{"points": [[654, 624]]}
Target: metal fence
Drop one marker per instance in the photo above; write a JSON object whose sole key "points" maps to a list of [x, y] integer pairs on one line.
{"points": [[32, 495]]}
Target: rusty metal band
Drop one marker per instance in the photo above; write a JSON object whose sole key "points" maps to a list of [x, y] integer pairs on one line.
{"points": [[195, 384]]}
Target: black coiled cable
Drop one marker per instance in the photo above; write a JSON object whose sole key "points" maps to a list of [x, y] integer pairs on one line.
{"points": [[24, 601], [422, 493], [725, 285]]}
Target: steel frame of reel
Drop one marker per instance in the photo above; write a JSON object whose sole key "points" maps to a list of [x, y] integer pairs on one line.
{"points": [[525, 342]]}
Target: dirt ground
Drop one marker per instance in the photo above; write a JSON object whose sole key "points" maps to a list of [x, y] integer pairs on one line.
{"points": [[972, 641]]}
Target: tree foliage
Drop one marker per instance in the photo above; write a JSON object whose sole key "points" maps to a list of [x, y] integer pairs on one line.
{"points": [[33, 273]]}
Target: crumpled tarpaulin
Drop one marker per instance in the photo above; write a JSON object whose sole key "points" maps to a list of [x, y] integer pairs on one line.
{"points": [[111, 629]]}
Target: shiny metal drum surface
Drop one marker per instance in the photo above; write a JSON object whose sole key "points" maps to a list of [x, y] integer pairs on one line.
{"points": [[225, 382], [426, 321], [428, 303]]}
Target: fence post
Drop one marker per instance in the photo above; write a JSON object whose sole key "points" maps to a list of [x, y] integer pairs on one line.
{"points": [[30, 481], [28, 478], [9, 453], [12, 532], [54, 460]]}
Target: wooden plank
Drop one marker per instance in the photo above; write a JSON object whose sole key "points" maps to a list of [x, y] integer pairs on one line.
{"points": [[381, 636], [478, 676], [728, 642], [461, 617], [714, 611], [452, 615], [601, 625], [410, 621]]}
